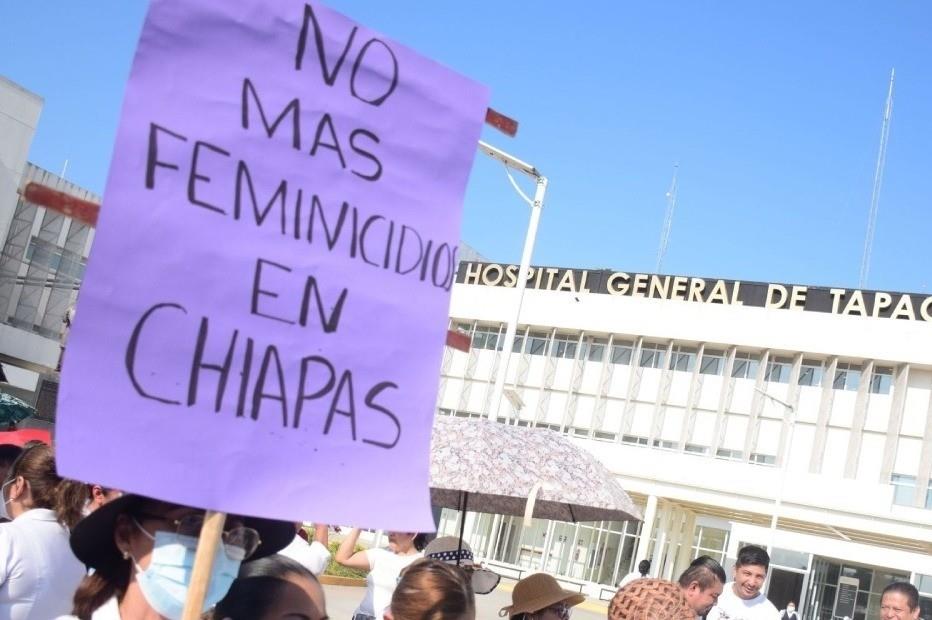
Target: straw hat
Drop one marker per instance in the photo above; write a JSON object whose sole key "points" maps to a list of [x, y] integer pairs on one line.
{"points": [[650, 599], [536, 592]]}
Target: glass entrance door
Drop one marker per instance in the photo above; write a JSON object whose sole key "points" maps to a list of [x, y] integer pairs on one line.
{"points": [[785, 586]]}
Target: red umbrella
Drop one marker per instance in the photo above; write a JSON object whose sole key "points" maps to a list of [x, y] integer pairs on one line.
{"points": [[21, 437]]}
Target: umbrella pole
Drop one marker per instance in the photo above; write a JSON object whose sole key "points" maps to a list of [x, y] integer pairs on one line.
{"points": [[463, 505]]}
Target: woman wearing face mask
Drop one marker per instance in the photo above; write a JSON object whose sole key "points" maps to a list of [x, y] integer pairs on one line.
{"points": [[38, 571], [790, 612], [142, 552], [384, 566]]}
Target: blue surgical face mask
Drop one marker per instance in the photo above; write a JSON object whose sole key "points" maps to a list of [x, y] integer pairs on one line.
{"points": [[164, 584]]}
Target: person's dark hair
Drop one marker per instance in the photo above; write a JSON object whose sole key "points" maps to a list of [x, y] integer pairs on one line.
{"points": [[95, 590], [432, 590], [752, 555], [906, 589], [644, 567], [8, 454], [420, 541], [257, 587], [703, 570], [36, 464]]}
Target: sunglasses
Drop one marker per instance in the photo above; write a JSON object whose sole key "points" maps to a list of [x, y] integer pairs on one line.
{"points": [[239, 542]]}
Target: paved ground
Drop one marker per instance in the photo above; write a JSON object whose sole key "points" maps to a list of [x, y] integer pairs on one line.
{"points": [[342, 601]]}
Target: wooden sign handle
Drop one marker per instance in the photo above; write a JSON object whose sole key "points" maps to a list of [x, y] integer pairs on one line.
{"points": [[207, 545]]}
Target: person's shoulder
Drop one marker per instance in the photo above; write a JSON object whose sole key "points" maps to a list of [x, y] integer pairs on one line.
{"points": [[765, 602]]}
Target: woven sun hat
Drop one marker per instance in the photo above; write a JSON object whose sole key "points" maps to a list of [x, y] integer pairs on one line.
{"points": [[451, 550], [650, 599], [536, 592]]}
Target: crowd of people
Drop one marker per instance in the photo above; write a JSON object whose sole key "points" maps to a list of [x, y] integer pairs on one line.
{"points": [[71, 550]]}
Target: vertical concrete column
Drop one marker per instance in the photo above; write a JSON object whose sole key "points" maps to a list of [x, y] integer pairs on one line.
{"points": [[647, 529], [677, 516], [469, 532], [663, 534], [686, 544], [548, 543]]}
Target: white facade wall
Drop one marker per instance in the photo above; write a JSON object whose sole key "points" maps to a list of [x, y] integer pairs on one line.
{"points": [[19, 116], [711, 443]]}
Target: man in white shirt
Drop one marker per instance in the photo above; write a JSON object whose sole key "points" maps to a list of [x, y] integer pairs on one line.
{"points": [[641, 573], [315, 555], [742, 599]]}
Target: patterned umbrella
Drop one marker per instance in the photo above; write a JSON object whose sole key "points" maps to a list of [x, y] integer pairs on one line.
{"points": [[503, 469], [13, 410]]}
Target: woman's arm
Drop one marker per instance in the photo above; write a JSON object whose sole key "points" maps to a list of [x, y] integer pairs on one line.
{"points": [[345, 555]]}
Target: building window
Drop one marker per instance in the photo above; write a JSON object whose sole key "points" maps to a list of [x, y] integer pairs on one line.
{"points": [[713, 362], [847, 377], [594, 349], [664, 444], [778, 370], [904, 490], [881, 380], [536, 343], [810, 373], [683, 359], [763, 459], [621, 353], [604, 436], [652, 356], [486, 338], [924, 583], [564, 345], [710, 541], [732, 455], [694, 448], [49, 257], [745, 366], [518, 345], [634, 440], [461, 414]]}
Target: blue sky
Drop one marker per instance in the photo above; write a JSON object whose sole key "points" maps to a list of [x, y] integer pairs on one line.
{"points": [[772, 110]]}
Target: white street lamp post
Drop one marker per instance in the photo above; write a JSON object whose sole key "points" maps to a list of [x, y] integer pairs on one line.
{"points": [[536, 206], [784, 459]]}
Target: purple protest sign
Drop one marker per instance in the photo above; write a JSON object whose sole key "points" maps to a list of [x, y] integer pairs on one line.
{"points": [[264, 311]]}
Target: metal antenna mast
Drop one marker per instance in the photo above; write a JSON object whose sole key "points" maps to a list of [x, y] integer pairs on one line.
{"points": [[878, 181], [667, 220]]}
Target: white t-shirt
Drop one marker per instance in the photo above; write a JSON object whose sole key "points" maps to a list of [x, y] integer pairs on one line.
{"points": [[38, 571], [313, 557], [384, 568], [731, 607]]}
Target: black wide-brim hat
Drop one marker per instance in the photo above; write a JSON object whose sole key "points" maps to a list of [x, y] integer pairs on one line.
{"points": [[93, 544]]}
